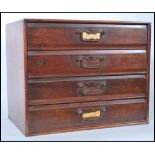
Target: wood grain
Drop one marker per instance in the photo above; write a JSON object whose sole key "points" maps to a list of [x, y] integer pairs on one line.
{"points": [[48, 119], [28, 20], [148, 72], [73, 64], [50, 38], [67, 90]]}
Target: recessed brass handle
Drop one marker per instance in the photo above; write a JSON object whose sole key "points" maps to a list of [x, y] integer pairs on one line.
{"points": [[91, 88], [91, 36], [87, 115], [91, 62]]}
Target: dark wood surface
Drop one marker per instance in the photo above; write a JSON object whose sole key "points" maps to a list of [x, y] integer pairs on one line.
{"points": [[148, 68], [28, 20], [55, 78], [16, 74], [79, 64], [68, 90], [48, 119], [57, 37]]}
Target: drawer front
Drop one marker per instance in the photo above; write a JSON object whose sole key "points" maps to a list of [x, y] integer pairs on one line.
{"points": [[84, 63], [47, 36], [86, 89], [52, 118]]}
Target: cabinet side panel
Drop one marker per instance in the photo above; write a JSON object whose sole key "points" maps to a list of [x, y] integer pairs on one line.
{"points": [[148, 73], [16, 74]]}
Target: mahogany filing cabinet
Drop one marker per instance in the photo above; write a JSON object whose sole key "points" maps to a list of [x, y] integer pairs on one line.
{"points": [[68, 75]]}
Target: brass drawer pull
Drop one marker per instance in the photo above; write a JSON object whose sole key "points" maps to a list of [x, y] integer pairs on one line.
{"points": [[91, 36], [91, 62], [87, 115], [91, 88]]}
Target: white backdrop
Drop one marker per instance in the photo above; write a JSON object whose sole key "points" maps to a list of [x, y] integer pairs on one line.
{"points": [[129, 133], [80, 5]]}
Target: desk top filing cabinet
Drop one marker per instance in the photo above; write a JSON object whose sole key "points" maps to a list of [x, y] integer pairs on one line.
{"points": [[69, 75]]}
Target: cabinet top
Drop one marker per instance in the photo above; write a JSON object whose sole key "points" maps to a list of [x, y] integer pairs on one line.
{"points": [[83, 21]]}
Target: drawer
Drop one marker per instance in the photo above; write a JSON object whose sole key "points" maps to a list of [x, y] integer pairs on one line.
{"points": [[85, 63], [48, 36], [86, 115], [51, 91]]}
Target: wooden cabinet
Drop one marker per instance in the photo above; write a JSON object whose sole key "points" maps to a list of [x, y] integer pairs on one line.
{"points": [[68, 75]]}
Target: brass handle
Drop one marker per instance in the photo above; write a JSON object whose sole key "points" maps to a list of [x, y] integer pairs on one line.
{"points": [[91, 62], [91, 88], [91, 36], [40, 61], [86, 115]]}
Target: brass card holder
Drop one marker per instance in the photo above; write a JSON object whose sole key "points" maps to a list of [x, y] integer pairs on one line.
{"points": [[91, 35], [91, 114], [91, 62], [91, 88]]}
